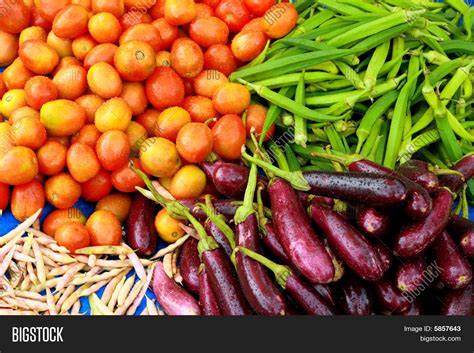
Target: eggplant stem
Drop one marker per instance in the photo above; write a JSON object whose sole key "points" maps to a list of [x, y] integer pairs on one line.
{"points": [[244, 211], [219, 222]]}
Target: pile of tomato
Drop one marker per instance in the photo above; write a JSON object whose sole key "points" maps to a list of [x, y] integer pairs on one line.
{"points": [[94, 86]]}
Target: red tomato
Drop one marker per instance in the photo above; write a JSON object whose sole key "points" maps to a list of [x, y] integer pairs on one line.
{"points": [[187, 57], [113, 149], [246, 46], [165, 88], [256, 116], [98, 187], [73, 236], [4, 196], [208, 31], [219, 57], [229, 136], [27, 199], [259, 7], [194, 142], [167, 32], [234, 13], [180, 12], [125, 179]]}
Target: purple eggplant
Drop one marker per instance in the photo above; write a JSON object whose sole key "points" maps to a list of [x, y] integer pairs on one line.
{"points": [[455, 182], [141, 235], [411, 274], [457, 302], [390, 298], [213, 230], [372, 221], [207, 298], [355, 297], [189, 265]]}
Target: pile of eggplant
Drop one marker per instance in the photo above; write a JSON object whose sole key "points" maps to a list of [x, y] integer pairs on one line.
{"points": [[363, 241]]}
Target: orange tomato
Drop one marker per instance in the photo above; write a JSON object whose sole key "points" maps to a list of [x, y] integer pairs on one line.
{"points": [[16, 75], [73, 236], [62, 191], [208, 31], [37, 20], [6, 138], [256, 25], [40, 90], [104, 27], [38, 56], [203, 11], [231, 98], [279, 20], [180, 12], [135, 95], [12, 100], [100, 53], [194, 142], [229, 136], [168, 33], [90, 103], [66, 62], [135, 60], [172, 120], [165, 88], [145, 32], [88, 135], [9, 45], [119, 204], [18, 166], [82, 162], [62, 117], [49, 8], [159, 157], [256, 116], [57, 218], [29, 132], [188, 182], [51, 158], [71, 22], [219, 57], [87, 4], [136, 134], [187, 57], [148, 120], [103, 72], [200, 108], [208, 82], [114, 114], [163, 58], [71, 82], [115, 7], [4, 196], [168, 227], [81, 46], [15, 16], [63, 46], [158, 9], [27, 199], [126, 180], [246, 46], [98, 187], [104, 228], [23, 112], [113, 149]]}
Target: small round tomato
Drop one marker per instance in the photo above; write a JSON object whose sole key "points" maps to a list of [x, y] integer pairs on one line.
{"points": [[104, 27], [126, 180], [71, 22], [187, 57], [9, 45], [259, 7], [57, 218], [27, 199], [82, 162], [15, 16], [40, 90], [115, 7], [4, 196], [38, 56], [88, 135], [104, 228], [231, 98], [148, 120], [180, 12], [113, 149], [117, 203], [98, 187], [16, 75], [219, 57], [82, 46], [62, 117], [163, 58], [200, 108], [165, 88], [73, 236], [63, 46], [209, 82], [229, 136], [234, 13], [246, 46], [18, 166], [145, 32], [188, 182], [135, 60], [168, 33], [51, 158], [134, 94], [194, 142], [23, 112], [71, 82], [279, 20], [29, 132], [136, 135], [256, 116], [90, 103], [208, 31], [62, 191], [172, 120], [115, 114], [12, 100], [100, 53], [159, 157], [103, 72], [168, 228], [49, 8]]}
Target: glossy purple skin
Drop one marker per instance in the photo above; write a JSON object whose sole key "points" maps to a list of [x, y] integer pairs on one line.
{"points": [[422, 177], [306, 199], [355, 298], [307, 298], [346, 241], [385, 256], [218, 236], [327, 293], [389, 297], [410, 274], [418, 202], [224, 283], [189, 263], [458, 226], [141, 234], [415, 309], [363, 188], [457, 302], [174, 299], [207, 298], [416, 237], [454, 182], [231, 179], [259, 289], [416, 163], [372, 221], [210, 168], [455, 270], [467, 244], [226, 208], [296, 235], [272, 244]]}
